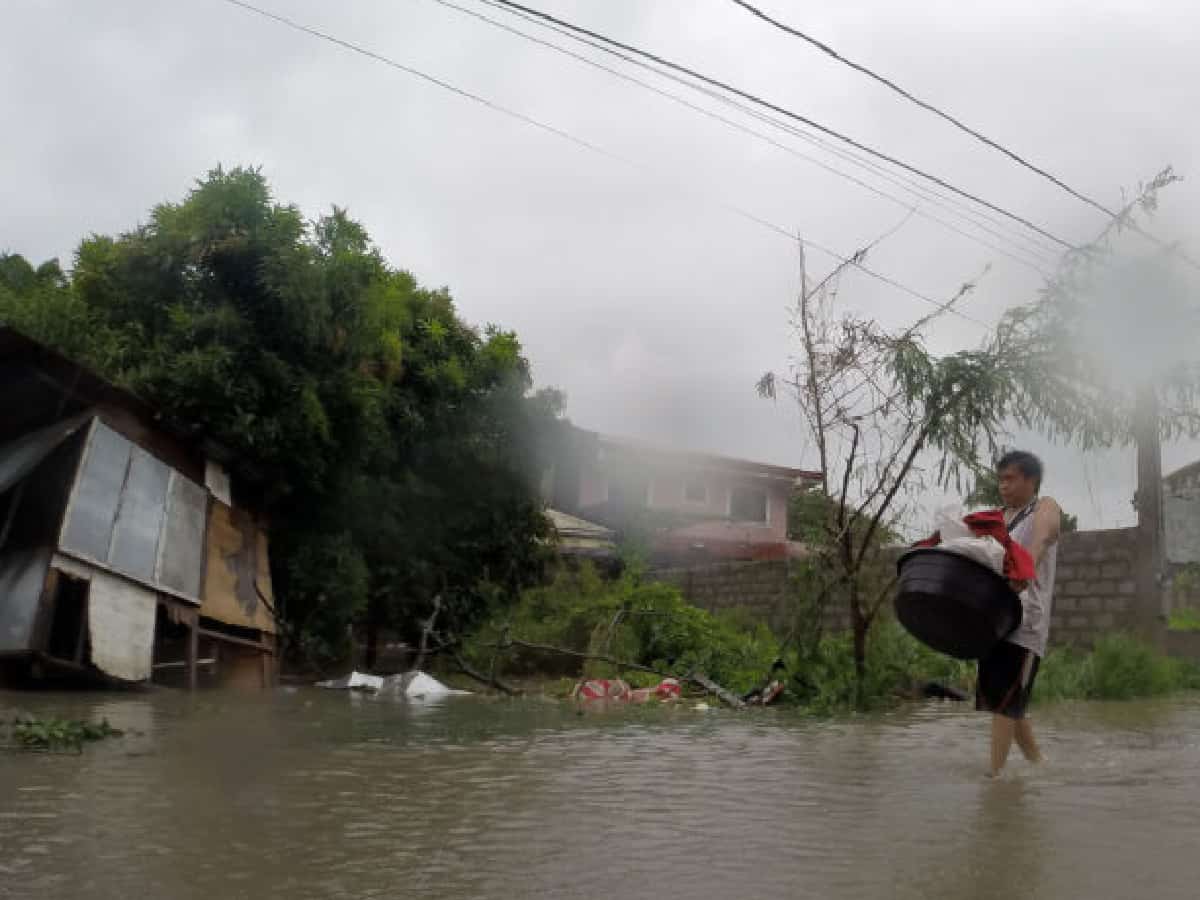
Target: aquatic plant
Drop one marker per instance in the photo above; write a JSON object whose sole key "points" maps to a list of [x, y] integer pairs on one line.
{"points": [[59, 734]]}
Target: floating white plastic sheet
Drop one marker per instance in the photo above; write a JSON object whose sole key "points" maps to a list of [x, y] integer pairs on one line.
{"points": [[410, 685]]}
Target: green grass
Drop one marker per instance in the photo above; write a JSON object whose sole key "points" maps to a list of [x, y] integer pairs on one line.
{"points": [[1119, 667], [1184, 618]]}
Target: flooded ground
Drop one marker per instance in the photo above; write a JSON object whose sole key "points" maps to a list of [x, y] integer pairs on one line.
{"points": [[307, 794]]}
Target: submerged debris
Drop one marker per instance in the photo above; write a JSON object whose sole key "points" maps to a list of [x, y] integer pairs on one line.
{"points": [[415, 685]]}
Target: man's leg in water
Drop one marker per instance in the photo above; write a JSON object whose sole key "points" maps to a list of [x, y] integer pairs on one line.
{"points": [[1003, 731], [1024, 736]]}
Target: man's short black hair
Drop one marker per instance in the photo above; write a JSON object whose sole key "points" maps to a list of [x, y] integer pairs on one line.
{"points": [[1028, 464]]}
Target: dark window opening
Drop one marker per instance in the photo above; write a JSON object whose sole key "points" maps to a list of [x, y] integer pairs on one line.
{"points": [[695, 490], [748, 505], [68, 625], [629, 492]]}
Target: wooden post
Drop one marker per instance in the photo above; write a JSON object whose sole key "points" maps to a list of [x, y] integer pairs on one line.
{"points": [[1150, 514], [193, 651]]}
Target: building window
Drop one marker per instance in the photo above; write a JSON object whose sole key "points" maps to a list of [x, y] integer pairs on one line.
{"points": [[629, 491], [695, 490], [747, 505]]}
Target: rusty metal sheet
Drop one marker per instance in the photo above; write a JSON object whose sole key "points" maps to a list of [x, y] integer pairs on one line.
{"points": [[236, 570]]}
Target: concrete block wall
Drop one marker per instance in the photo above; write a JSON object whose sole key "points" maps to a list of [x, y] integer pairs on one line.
{"points": [[765, 589], [1096, 589], [1095, 593]]}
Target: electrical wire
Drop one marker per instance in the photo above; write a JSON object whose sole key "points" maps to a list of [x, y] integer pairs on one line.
{"points": [[580, 142], [812, 123], [1096, 204], [1016, 255], [976, 216], [929, 107]]}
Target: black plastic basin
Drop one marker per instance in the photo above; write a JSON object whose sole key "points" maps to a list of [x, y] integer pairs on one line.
{"points": [[953, 604]]}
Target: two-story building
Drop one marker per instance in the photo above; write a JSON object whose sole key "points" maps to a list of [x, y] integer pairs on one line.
{"points": [[690, 507]]}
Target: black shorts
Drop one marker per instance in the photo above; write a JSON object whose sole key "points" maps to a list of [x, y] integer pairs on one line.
{"points": [[1006, 677]]}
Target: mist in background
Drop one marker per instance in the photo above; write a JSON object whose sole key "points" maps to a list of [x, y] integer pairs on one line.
{"points": [[633, 288]]}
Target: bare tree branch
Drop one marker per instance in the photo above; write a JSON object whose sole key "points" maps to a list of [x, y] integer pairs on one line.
{"points": [[426, 631]]}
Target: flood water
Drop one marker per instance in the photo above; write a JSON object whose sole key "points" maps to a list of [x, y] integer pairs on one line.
{"points": [[304, 794]]}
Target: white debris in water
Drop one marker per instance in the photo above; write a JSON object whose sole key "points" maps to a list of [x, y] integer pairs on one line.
{"points": [[410, 685], [355, 681], [426, 687]]}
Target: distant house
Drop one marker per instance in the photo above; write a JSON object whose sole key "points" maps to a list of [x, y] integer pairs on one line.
{"points": [[123, 553], [1181, 515], [690, 507]]}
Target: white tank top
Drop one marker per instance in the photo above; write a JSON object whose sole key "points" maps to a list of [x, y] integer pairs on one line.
{"points": [[1036, 599]]}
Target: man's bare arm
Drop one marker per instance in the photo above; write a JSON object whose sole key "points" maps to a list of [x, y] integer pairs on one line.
{"points": [[1047, 522]]}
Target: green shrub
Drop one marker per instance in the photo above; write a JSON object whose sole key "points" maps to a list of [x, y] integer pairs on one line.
{"points": [[1185, 618], [897, 666], [1065, 674], [1124, 667], [655, 627], [1119, 667]]}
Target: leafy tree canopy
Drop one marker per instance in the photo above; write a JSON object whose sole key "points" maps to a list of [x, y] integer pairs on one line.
{"points": [[399, 444]]}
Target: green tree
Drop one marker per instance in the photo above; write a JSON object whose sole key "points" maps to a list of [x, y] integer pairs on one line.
{"points": [[1110, 340], [397, 444], [887, 417]]}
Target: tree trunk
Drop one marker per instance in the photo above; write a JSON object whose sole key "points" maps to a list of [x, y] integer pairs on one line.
{"points": [[1150, 515], [860, 625], [860, 647]]}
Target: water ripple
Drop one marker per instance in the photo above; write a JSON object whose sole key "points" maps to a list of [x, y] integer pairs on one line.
{"points": [[319, 795]]}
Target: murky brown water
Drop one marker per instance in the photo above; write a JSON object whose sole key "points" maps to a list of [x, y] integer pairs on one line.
{"points": [[309, 794]]}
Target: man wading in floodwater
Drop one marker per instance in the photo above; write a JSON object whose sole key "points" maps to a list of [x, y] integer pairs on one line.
{"points": [[1007, 674]]}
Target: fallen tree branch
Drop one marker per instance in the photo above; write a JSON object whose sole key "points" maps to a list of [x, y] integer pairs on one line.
{"points": [[490, 681], [696, 678], [426, 631], [713, 688]]}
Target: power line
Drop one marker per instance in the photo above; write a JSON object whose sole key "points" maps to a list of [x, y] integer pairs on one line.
{"points": [[792, 115], [1112, 214], [905, 182], [675, 98], [929, 107], [1174, 249], [580, 142]]}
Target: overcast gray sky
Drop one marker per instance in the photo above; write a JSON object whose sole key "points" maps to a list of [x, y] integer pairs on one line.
{"points": [[633, 288]]}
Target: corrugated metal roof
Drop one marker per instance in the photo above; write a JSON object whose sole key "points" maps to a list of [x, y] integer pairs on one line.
{"points": [[579, 536]]}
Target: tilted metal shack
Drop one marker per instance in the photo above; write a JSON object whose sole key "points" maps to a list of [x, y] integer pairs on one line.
{"points": [[122, 551]]}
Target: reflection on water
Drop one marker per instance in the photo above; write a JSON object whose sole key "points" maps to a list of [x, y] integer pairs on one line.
{"points": [[309, 794]]}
